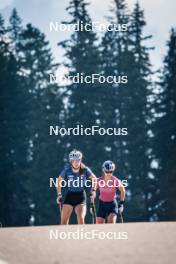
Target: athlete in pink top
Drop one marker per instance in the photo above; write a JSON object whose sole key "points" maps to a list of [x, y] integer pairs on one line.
{"points": [[108, 185], [108, 188]]}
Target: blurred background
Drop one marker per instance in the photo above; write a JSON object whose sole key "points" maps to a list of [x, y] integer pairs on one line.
{"points": [[29, 104]]}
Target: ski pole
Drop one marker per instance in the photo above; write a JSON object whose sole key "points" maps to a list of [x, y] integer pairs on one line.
{"points": [[93, 211], [59, 202], [121, 217], [60, 211]]}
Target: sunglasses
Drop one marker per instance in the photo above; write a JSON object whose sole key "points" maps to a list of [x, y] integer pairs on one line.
{"points": [[108, 171]]}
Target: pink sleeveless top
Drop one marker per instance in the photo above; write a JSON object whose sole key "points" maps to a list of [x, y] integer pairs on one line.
{"points": [[108, 189]]}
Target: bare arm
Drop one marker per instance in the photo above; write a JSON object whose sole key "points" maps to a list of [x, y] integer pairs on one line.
{"points": [[122, 192], [94, 181], [59, 184]]}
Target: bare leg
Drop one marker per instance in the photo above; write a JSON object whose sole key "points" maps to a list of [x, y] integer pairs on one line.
{"points": [[100, 220], [112, 218], [80, 211], [66, 213]]}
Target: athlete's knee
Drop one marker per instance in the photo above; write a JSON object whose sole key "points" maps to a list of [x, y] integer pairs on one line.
{"points": [[100, 220], [65, 218], [112, 218], [81, 220], [80, 212], [64, 221], [80, 216]]}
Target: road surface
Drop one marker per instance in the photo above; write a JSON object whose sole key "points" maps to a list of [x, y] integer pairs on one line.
{"points": [[129, 243]]}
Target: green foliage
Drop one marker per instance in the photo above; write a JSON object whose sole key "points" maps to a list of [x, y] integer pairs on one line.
{"points": [[165, 130], [29, 156]]}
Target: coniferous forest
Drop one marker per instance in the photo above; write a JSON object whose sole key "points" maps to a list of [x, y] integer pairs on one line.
{"points": [[30, 104]]}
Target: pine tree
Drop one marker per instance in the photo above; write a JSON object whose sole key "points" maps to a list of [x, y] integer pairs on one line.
{"points": [[5, 162], [15, 29], [165, 130], [36, 65], [14, 143], [82, 57], [115, 58], [140, 85], [124, 53], [28, 108]]}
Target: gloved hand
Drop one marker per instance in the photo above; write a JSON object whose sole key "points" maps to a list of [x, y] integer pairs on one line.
{"points": [[59, 198], [92, 195], [121, 206]]}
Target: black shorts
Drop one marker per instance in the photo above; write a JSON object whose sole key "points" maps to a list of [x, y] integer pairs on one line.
{"points": [[107, 208], [75, 198]]}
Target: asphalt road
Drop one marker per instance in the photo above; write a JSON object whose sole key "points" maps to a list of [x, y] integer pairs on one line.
{"points": [[139, 243]]}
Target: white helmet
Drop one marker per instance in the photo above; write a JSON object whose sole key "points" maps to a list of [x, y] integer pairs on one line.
{"points": [[108, 166], [75, 155]]}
